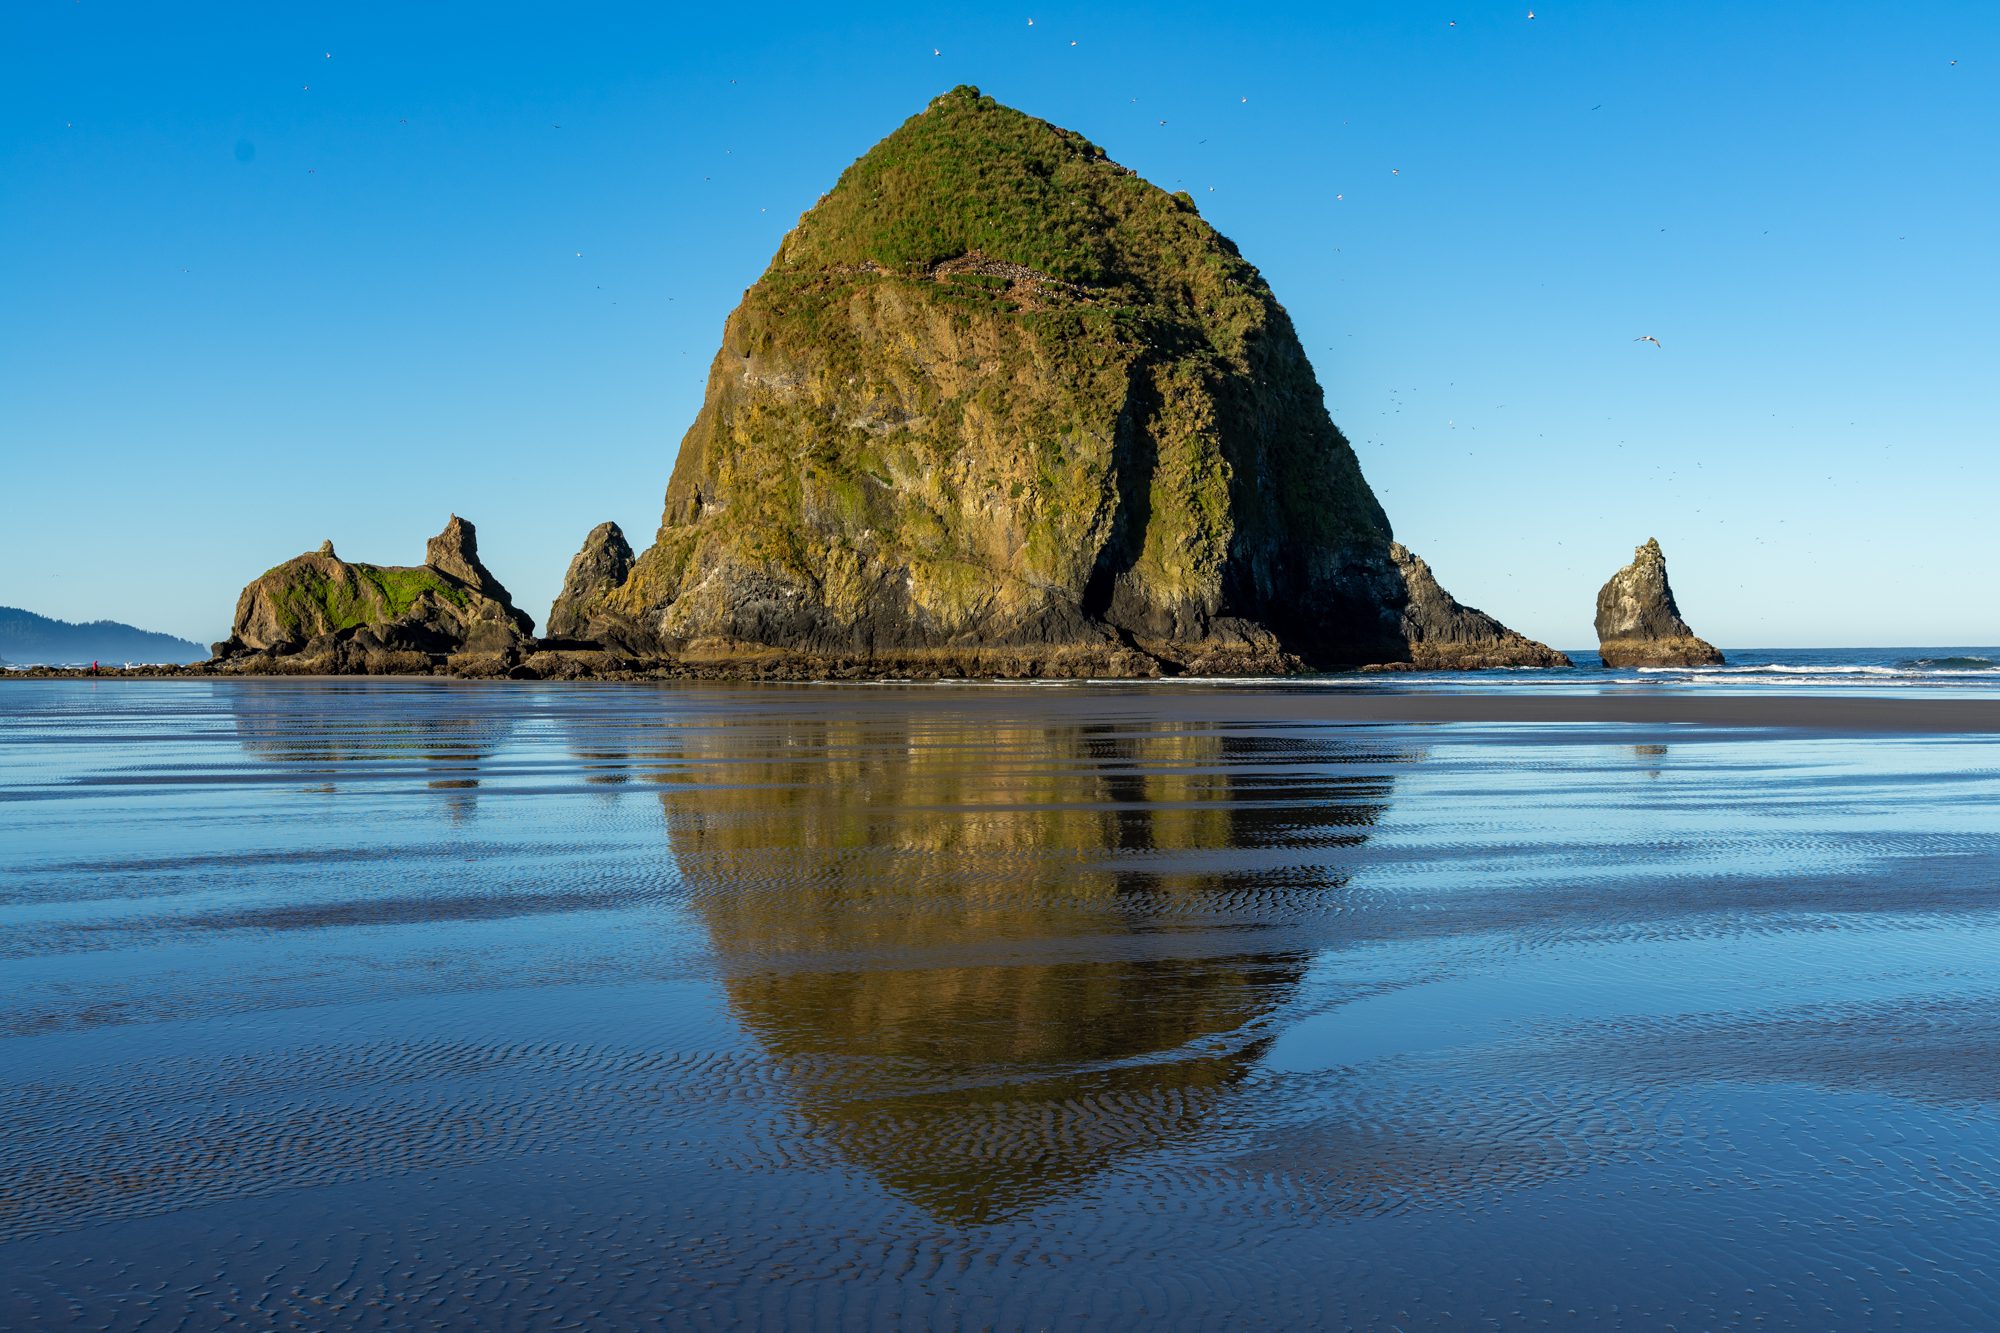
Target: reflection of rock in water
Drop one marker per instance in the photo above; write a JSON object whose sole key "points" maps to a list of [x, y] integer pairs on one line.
{"points": [[372, 734], [993, 960]]}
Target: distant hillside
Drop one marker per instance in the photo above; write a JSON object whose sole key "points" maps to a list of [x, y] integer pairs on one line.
{"points": [[27, 639]]}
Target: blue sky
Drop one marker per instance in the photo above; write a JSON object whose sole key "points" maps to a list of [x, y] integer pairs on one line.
{"points": [[273, 274]]}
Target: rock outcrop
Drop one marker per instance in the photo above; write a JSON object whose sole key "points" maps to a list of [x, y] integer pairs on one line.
{"points": [[1444, 635], [319, 613], [1000, 407], [602, 564], [454, 553], [1638, 622]]}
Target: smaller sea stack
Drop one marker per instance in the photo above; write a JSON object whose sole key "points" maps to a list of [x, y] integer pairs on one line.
{"points": [[1638, 622], [602, 564], [319, 613]]}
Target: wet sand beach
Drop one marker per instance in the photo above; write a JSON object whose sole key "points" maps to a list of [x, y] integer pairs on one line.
{"points": [[395, 1004], [1332, 699]]}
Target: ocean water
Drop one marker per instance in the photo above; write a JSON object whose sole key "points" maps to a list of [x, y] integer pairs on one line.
{"points": [[412, 1004], [1972, 672]]}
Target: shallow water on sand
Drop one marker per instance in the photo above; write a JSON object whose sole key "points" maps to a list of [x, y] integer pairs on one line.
{"points": [[408, 1004]]}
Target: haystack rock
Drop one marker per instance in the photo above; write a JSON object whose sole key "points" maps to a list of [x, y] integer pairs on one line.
{"points": [[322, 613], [1638, 623], [602, 564], [1000, 407]]}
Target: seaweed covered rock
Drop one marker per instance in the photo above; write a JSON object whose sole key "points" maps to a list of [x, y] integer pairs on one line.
{"points": [[317, 612], [602, 564], [1638, 622], [999, 406]]}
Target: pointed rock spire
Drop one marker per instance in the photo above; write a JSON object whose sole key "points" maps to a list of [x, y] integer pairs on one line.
{"points": [[602, 564], [455, 552], [1638, 622]]}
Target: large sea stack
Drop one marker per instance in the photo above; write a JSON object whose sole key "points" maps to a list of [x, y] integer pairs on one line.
{"points": [[1000, 407], [319, 613], [1638, 622]]}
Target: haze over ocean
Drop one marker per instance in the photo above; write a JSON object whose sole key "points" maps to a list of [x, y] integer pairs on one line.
{"points": [[274, 277]]}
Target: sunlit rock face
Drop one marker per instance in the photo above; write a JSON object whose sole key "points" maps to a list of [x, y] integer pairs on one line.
{"points": [[1638, 622], [985, 981], [318, 613], [999, 406]]}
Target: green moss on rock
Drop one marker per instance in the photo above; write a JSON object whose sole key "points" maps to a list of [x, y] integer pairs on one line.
{"points": [[310, 601], [447, 603]]}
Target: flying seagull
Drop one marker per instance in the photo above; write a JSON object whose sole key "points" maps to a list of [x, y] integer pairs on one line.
{"points": [[1647, 338]]}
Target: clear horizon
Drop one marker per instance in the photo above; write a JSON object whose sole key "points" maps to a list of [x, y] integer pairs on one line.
{"points": [[324, 273]]}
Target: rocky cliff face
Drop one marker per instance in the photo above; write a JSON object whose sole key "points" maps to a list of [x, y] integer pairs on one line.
{"points": [[998, 406], [604, 562], [1638, 622], [322, 613]]}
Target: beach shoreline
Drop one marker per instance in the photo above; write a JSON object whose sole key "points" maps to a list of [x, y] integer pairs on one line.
{"points": [[1297, 700]]}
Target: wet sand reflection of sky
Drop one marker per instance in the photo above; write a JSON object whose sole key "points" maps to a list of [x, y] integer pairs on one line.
{"points": [[362, 998]]}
